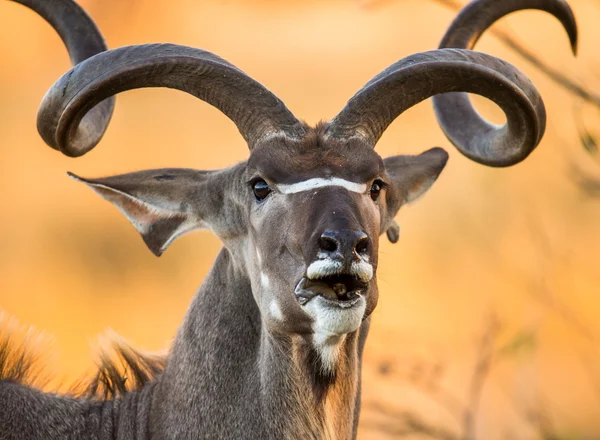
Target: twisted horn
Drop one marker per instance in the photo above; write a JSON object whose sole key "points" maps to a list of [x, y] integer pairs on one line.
{"points": [[476, 17], [456, 115], [256, 111], [446, 71], [75, 112], [82, 39], [423, 75]]}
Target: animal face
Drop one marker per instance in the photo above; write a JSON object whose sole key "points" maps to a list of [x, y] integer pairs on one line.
{"points": [[302, 218], [316, 211]]}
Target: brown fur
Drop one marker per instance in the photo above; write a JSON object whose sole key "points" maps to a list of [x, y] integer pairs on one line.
{"points": [[333, 394], [339, 399], [18, 362], [121, 368], [286, 161]]}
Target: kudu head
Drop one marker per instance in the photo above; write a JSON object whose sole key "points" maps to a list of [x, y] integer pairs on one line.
{"points": [[303, 215]]}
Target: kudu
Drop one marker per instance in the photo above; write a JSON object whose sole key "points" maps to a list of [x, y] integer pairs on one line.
{"points": [[271, 346]]}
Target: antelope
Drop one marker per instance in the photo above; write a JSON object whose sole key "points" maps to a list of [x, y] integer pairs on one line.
{"points": [[271, 346]]}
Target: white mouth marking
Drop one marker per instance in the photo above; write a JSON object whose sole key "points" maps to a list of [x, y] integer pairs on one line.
{"points": [[332, 323], [327, 267], [323, 268], [310, 184], [363, 270]]}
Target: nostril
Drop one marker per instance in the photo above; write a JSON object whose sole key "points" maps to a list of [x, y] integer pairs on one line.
{"points": [[363, 245], [328, 244]]}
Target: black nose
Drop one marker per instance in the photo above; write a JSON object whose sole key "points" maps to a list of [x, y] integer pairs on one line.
{"points": [[344, 242]]}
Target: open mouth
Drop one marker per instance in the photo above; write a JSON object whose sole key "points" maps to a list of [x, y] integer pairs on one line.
{"points": [[343, 290]]}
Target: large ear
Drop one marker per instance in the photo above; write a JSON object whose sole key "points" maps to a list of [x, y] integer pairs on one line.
{"points": [[410, 177], [165, 203]]}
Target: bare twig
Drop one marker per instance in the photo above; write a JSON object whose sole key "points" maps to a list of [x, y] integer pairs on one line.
{"points": [[555, 75], [403, 423], [588, 139], [490, 353], [588, 184], [483, 366]]}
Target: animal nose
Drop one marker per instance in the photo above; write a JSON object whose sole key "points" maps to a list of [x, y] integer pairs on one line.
{"points": [[344, 242]]}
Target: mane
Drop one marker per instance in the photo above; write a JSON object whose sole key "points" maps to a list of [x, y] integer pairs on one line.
{"points": [[18, 361], [121, 368]]}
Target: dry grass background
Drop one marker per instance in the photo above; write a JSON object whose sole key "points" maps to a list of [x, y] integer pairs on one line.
{"points": [[488, 320]]}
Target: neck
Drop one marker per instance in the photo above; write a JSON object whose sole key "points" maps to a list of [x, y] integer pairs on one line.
{"points": [[228, 375]]}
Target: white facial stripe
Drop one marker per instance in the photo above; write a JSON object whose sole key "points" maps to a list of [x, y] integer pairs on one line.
{"points": [[307, 185]]}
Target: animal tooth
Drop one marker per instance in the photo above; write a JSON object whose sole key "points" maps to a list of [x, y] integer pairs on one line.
{"points": [[339, 288]]}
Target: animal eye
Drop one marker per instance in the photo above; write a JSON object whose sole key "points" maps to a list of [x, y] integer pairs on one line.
{"points": [[376, 189], [261, 189]]}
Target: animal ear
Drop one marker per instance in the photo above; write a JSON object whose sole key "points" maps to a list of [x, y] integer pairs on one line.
{"points": [[410, 177], [163, 204]]}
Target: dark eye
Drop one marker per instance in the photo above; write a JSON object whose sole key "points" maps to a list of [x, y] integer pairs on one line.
{"points": [[376, 189], [261, 189]]}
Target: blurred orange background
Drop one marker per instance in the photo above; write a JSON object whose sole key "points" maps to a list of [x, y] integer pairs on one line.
{"points": [[501, 261]]}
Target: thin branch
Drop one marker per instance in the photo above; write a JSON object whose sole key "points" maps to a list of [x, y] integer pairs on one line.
{"points": [[555, 75], [404, 424], [483, 366], [586, 137]]}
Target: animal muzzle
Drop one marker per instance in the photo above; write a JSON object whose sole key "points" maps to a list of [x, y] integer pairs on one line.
{"points": [[335, 280]]}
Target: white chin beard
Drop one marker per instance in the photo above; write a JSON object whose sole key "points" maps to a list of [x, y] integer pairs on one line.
{"points": [[333, 319], [331, 323]]}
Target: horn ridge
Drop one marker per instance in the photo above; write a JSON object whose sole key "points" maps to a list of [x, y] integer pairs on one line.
{"points": [[66, 119], [455, 113], [82, 39], [423, 75], [429, 74]]}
